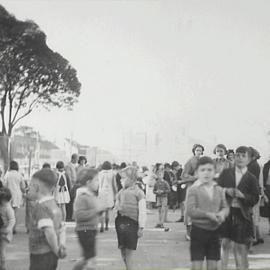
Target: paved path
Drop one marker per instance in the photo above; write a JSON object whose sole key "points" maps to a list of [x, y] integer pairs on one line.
{"points": [[157, 249]]}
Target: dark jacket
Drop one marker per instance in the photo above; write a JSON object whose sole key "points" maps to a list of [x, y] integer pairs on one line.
{"points": [[254, 168], [248, 185], [266, 168]]}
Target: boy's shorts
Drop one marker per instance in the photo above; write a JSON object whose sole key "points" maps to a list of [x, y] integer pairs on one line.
{"points": [[87, 239], [162, 201], [46, 261], [204, 244], [237, 228], [127, 232]]}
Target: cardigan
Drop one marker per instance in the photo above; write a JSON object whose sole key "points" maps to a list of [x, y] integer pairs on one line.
{"points": [[248, 185]]}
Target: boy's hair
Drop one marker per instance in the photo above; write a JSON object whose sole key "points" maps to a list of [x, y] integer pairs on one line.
{"points": [[123, 165], [205, 160], [60, 165], [195, 146], [5, 194], [130, 172], [222, 146], [46, 166], [106, 166], [46, 176], [85, 175], [14, 165], [243, 150]]}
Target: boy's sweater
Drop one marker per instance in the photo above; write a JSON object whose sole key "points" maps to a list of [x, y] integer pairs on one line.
{"points": [[86, 210], [199, 203], [161, 188], [8, 218]]}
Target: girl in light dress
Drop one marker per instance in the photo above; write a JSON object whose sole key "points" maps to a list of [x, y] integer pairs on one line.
{"points": [[107, 192]]}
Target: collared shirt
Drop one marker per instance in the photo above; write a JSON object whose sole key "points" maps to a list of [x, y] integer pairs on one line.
{"points": [[209, 187], [239, 173]]}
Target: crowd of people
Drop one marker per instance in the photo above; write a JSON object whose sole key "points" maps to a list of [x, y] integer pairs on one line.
{"points": [[220, 201]]}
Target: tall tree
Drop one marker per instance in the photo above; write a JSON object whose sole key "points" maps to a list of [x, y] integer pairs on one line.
{"points": [[31, 75]]}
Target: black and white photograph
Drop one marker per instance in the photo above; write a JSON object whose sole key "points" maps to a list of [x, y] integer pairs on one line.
{"points": [[134, 134]]}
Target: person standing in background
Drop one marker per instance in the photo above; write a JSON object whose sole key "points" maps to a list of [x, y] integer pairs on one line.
{"points": [[118, 176], [220, 161], [107, 192], [230, 157], [13, 180], [62, 189], [82, 161], [255, 169], [72, 174]]}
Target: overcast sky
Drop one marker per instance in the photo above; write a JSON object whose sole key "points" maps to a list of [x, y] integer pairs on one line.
{"points": [[203, 63]]}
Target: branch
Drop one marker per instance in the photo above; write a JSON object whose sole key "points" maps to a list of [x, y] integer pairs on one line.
{"points": [[30, 109]]}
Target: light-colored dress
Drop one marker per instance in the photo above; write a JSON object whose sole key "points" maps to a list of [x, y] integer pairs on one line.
{"points": [[150, 181], [61, 192], [107, 188], [14, 181]]}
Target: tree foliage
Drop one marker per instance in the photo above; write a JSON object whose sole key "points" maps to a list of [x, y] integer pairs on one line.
{"points": [[31, 74]]}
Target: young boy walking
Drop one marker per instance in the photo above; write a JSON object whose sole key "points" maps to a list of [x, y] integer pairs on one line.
{"points": [[46, 231], [86, 213], [207, 208], [242, 192], [161, 189]]}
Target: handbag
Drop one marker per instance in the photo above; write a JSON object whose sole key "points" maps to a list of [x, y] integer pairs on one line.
{"points": [[264, 208]]}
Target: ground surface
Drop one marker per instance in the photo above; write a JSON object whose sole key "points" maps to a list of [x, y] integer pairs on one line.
{"points": [[157, 249]]}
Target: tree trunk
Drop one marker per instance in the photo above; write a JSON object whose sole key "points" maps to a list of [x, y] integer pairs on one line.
{"points": [[5, 150]]}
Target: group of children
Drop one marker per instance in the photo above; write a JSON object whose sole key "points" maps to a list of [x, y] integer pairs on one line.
{"points": [[47, 227], [220, 196]]}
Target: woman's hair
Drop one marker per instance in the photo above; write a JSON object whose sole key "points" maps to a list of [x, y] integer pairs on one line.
{"points": [[123, 165], [230, 151], [14, 165], [130, 172], [195, 146], [222, 146], [5, 194], [255, 155], [85, 175], [157, 167], [167, 165], [175, 164], [60, 165], [205, 160], [81, 158], [106, 166]]}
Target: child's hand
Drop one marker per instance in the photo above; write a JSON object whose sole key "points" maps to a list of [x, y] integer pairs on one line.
{"points": [[239, 194], [212, 217], [220, 218], [230, 192], [140, 232], [62, 253]]}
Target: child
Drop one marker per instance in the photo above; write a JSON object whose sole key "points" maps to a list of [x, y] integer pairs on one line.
{"points": [[62, 189], [7, 222], [131, 215], [207, 208], [86, 213], [46, 232], [242, 191], [161, 189], [189, 177], [220, 161]]}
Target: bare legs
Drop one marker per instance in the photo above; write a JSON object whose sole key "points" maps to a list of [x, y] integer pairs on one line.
{"points": [[198, 265], [127, 255], [62, 207], [240, 254]]}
